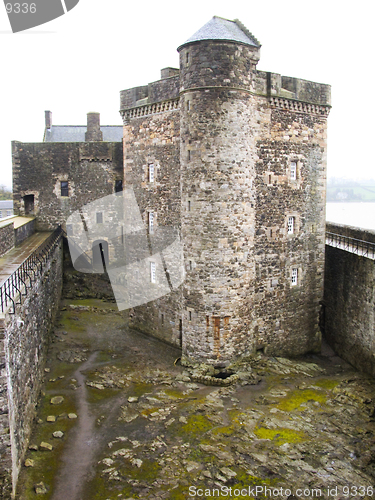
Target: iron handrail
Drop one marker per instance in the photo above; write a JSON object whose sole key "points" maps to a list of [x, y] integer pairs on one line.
{"points": [[359, 247], [20, 280]]}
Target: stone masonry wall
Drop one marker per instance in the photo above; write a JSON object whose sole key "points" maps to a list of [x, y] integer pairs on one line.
{"points": [[7, 240], [154, 140], [349, 300], [287, 313], [90, 169], [25, 345]]}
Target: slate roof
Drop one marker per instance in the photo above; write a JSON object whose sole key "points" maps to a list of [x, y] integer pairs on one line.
{"points": [[6, 204], [76, 133], [223, 29]]}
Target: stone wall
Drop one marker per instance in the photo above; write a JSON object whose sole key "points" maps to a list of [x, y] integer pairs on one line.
{"points": [[7, 240], [25, 345], [90, 168], [154, 140], [349, 301], [24, 231]]}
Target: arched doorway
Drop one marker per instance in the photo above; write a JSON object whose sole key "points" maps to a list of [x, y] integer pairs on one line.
{"points": [[100, 257]]}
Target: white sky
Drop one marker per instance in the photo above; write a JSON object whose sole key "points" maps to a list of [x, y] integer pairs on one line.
{"points": [[80, 62]]}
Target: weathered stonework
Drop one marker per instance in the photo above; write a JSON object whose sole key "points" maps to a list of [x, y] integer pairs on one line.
{"points": [[349, 300], [91, 170], [24, 343], [251, 174]]}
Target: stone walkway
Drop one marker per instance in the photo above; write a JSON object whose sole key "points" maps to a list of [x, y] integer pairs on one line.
{"points": [[14, 258]]}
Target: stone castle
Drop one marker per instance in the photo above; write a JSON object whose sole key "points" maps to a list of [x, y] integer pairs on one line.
{"points": [[235, 159]]}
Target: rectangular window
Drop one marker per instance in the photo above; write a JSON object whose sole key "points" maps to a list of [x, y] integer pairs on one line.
{"points": [[189, 206], [290, 225], [188, 105], [9, 213], [293, 170], [151, 172], [153, 272], [151, 222], [294, 276], [189, 315], [99, 217], [64, 188], [187, 57]]}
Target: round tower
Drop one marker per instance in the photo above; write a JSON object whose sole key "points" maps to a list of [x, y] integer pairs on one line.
{"points": [[218, 124]]}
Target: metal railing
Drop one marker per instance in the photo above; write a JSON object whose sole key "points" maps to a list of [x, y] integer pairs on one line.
{"points": [[27, 273], [359, 247]]}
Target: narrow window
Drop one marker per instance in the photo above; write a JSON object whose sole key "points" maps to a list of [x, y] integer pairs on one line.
{"points": [[9, 213], [153, 272], [64, 188], [290, 225], [189, 206], [188, 155], [99, 217], [162, 319], [69, 229], [190, 265], [189, 315], [270, 179], [294, 276], [270, 233], [187, 57], [118, 186], [188, 105], [151, 222], [293, 171], [151, 172]]}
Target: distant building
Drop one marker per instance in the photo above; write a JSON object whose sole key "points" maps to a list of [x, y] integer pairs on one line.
{"points": [[6, 208]]}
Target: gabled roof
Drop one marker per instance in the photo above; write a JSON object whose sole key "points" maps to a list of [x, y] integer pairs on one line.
{"points": [[224, 29], [76, 133]]}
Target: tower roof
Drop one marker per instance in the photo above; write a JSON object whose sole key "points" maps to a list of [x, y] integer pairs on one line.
{"points": [[219, 28]]}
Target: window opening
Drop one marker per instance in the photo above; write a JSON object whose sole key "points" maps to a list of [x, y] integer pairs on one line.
{"points": [[189, 154], [151, 172], [189, 315], [293, 171], [294, 276], [118, 186], [189, 206], [151, 222], [187, 57], [270, 179], [64, 188], [290, 225], [153, 272], [29, 203]]}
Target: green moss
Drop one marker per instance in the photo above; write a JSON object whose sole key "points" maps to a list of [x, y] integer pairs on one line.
{"points": [[140, 389], [97, 395], [224, 431], [196, 426], [294, 400], [326, 383], [280, 435]]}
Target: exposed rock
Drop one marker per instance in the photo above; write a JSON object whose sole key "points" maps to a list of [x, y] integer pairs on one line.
{"points": [[57, 400]]}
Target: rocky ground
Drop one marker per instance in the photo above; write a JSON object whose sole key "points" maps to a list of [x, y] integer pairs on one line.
{"points": [[119, 418]]}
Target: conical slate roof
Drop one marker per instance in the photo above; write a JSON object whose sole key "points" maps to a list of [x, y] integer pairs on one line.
{"points": [[223, 29]]}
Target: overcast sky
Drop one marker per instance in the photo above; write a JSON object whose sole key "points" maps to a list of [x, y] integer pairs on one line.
{"points": [[80, 62]]}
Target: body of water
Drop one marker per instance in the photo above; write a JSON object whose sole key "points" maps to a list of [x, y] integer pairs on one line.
{"points": [[359, 214]]}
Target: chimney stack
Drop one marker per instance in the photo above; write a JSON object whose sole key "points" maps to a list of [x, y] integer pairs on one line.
{"points": [[48, 119], [93, 128]]}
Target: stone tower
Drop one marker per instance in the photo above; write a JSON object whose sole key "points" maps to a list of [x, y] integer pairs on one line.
{"points": [[240, 155], [218, 131]]}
